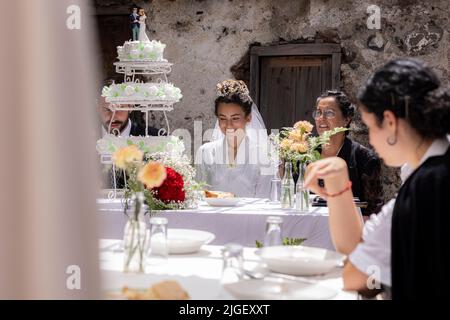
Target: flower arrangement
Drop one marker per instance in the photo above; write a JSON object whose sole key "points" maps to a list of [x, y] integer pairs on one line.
{"points": [[165, 179], [296, 143]]}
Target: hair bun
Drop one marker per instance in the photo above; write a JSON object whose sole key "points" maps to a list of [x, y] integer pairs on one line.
{"points": [[436, 114]]}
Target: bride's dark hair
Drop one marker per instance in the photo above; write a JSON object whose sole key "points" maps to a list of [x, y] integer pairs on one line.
{"points": [[409, 89], [233, 91]]}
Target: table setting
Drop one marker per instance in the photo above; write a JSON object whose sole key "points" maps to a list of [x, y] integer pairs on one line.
{"points": [[232, 272]]}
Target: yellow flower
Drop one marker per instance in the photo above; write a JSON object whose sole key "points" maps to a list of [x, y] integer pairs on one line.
{"points": [[297, 135], [304, 126], [127, 155], [286, 144], [301, 147], [152, 174]]}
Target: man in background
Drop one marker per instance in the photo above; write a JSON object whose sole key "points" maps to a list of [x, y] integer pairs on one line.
{"points": [[122, 124]]}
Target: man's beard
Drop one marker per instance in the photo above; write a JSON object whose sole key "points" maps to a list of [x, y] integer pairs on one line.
{"points": [[116, 130]]}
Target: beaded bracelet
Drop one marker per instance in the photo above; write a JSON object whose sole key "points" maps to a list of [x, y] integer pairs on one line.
{"points": [[347, 187]]}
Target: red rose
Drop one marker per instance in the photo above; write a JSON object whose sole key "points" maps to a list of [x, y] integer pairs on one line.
{"points": [[172, 189]]}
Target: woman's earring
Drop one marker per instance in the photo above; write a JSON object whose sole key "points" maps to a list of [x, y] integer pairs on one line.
{"points": [[391, 140]]}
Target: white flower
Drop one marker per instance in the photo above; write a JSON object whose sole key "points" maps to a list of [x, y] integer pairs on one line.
{"points": [[106, 91], [168, 90], [153, 90], [134, 53], [148, 48], [129, 90], [159, 47], [177, 93]]}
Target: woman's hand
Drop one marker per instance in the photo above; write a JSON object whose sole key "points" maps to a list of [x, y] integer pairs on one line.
{"points": [[344, 219], [332, 170]]}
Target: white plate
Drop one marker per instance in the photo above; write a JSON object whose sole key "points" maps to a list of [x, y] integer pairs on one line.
{"points": [[300, 260], [222, 202], [279, 290], [182, 241]]}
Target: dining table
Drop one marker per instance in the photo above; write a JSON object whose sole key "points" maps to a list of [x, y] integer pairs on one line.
{"points": [[200, 275], [244, 223]]}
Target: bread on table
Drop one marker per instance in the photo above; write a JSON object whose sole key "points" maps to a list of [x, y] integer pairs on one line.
{"points": [[218, 194], [165, 290]]}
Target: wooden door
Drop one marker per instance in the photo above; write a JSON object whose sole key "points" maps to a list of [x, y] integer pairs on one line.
{"points": [[285, 85]]}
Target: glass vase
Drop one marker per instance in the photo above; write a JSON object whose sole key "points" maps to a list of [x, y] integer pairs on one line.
{"points": [[135, 239], [287, 187], [302, 202]]}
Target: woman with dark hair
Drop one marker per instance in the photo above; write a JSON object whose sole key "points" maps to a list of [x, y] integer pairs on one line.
{"points": [[236, 159], [334, 109], [405, 247]]}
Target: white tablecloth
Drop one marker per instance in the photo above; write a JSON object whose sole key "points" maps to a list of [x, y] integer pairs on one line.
{"points": [[242, 224], [199, 274]]}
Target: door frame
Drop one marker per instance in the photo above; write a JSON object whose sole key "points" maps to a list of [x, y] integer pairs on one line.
{"points": [[301, 49]]}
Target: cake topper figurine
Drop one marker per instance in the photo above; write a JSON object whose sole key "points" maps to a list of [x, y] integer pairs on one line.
{"points": [[134, 23], [142, 33]]}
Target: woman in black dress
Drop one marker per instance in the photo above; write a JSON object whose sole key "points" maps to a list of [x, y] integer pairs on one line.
{"points": [[334, 109], [408, 118]]}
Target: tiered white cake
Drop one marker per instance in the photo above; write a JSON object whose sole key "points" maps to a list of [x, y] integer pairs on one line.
{"points": [[141, 57], [141, 51], [110, 143], [138, 91]]}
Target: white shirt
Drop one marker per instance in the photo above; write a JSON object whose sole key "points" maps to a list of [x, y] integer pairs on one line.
{"points": [[125, 133], [248, 177], [372, 256]]}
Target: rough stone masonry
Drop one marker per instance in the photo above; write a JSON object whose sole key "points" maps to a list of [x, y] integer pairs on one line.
{"points": [[209, 40]]}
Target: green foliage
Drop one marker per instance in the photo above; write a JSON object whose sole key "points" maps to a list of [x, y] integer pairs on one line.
{"points": [[293, 241], [286, 242], [314, 142]]}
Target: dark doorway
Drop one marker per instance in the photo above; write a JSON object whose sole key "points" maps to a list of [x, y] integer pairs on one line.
{"points": [[113, 31], [285, 80]]}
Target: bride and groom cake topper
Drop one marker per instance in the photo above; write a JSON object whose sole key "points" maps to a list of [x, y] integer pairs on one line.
{"points": [[137, 23]]}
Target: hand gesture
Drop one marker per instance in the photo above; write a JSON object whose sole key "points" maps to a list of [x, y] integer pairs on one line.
{"points": [[332, 170]]}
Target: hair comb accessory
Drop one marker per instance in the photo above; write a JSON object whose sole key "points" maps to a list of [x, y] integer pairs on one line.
{"points": [[407, 107], [392, 100], [230, 87]]}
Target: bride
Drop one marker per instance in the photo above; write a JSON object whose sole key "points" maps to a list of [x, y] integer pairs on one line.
{"points": [[142, 26], [236, 160]]}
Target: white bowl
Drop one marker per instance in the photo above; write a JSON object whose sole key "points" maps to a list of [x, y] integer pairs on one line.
{"points": [[279, 290], [300, 260], [222, 202], [182, 241]]}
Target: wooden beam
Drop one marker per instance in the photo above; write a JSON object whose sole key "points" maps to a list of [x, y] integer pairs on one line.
{"points": [[297, 49], [254, 77], [336, 70]]}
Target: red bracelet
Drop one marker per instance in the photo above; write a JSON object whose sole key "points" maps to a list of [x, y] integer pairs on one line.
{"points": [[347, 187]]}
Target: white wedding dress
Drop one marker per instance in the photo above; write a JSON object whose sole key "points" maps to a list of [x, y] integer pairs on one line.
{"points": [[252, 171], [142, 27], [247, 178]]}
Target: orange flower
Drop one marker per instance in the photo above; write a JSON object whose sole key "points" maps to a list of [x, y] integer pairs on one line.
{"points": [[286, 144], [127, 155], [297, 135], [304, 126], [152, 175], [301, 147]]}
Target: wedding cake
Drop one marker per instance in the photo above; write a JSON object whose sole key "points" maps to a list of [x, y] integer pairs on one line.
{"points": [[143, 96], [141, 51], [170, 144], [141, 92]]}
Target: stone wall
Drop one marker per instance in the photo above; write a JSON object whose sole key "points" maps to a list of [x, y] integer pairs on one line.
{"points": [[209, 40]]}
